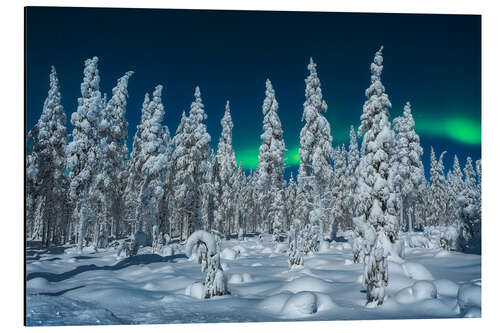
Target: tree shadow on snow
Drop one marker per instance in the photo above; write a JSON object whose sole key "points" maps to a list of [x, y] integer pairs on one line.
{"points": [[142, 259], [62, 292]]}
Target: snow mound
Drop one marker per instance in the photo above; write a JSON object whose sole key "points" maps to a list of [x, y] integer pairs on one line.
{"points": [[168, 299], [240, 249], [275, 303], [257, 264], [240, 278], [347, 246], [324, 246], [417, 271], [348, 262], [316, 262], [302, 303], [442, 253], [166, 251], [267, 250], [307, 283], [229, 254], [469, 296], [247, 277], [419, 291], [37, 283], [397, 251], [446, 287], [196, 290], [473, 313], [281, 248]]}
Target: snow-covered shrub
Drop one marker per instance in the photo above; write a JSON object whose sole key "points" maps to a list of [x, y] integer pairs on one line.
{"points": [[295, 245], [215, 283], [102, 241], [140, 239], [123, 250], [418, 240], [357, 247], [158, 240], [446, 237]]}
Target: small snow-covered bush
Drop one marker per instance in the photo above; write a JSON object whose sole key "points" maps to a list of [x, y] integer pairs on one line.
{"points": [[157, 241], [123, 250], [102, 241], [140, 239], [445, 237], [215, 283]]}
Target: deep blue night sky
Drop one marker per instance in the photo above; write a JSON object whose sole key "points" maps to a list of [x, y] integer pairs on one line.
{"points": [[434, 61]]}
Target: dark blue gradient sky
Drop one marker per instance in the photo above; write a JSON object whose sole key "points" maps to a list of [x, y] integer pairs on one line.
{"points": [[434, 61]]}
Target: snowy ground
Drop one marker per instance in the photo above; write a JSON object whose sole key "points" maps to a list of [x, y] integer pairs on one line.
{"points": [[66, 288]]}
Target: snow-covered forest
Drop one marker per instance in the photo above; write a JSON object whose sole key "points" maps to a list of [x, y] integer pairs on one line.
{"points": [[365, 206]]}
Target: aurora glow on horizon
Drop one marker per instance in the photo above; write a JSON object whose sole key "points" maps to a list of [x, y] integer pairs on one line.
{"points": [[433, 61]]}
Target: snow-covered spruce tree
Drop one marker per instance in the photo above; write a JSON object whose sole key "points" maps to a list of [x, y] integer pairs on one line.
{"points": [[467, 202], [351, 175], [179, 206], [191, 160], [215, 283], [47, 181], [316, 152], [239, 181], [374, 200], [31, 187], [303, 198], [438, 192], [455, 185], [154, 171], [407, 166], [166, 204], [226, 167], [113, 152], [290, 201], [340, 194], [134, 174], [249, 204], [208, 192], [478, 188], [295, 245], [270, 181], [82, 151]]}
